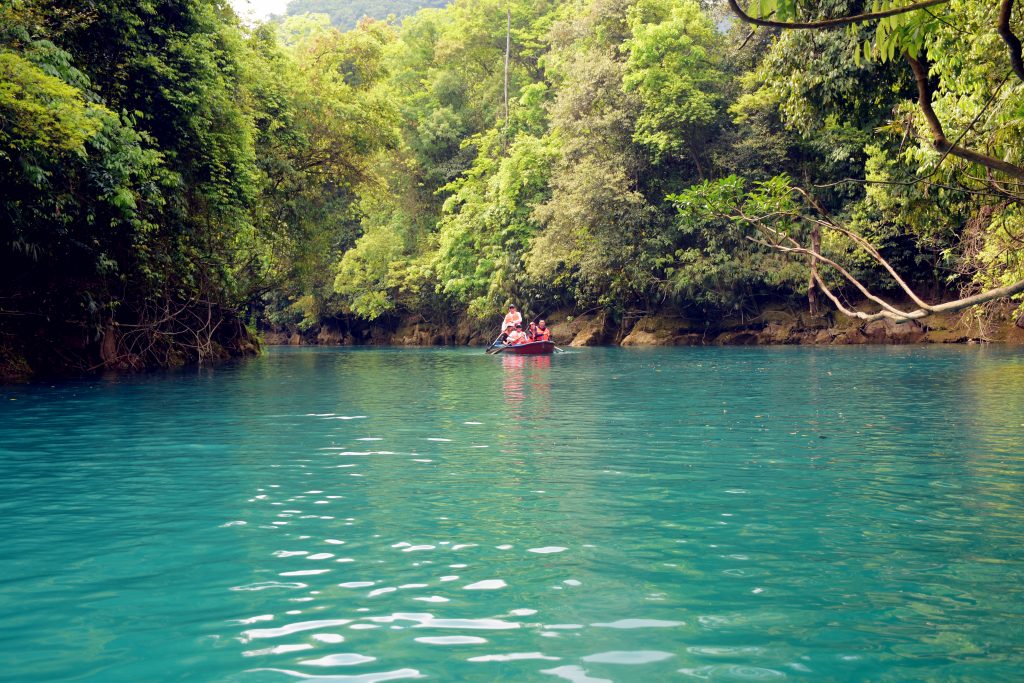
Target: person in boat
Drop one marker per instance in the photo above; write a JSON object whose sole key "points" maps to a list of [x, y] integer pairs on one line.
{"points": [[512, 317], [517, 336], [542, 333], [503, 337], [531, 334]]}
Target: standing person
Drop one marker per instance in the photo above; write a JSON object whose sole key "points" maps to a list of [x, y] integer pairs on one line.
{"points": [[542, 333], [512, 317]]}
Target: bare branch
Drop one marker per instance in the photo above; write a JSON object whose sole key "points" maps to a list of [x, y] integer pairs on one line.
{"points": [[831, 23], [892, 310], [947, 307], [785, 243], [863, 244]]}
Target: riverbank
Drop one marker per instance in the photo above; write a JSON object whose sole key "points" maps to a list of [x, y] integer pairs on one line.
{"points": [[776, 326], [75, 353], [70, 348]]}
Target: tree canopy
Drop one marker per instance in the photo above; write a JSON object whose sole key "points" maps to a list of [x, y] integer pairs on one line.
{"points": [[164, 168], [345, 14]]}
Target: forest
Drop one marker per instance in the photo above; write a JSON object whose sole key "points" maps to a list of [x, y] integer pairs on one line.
{"points": [[345, 14], [172, 180]]}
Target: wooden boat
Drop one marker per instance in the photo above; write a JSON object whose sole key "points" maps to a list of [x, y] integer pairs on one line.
{"points": [[527, 349]]}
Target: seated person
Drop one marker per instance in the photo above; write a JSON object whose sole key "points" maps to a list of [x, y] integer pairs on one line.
{"points": [[542, 333], [503, 337], [517, 336], [531, 334]]}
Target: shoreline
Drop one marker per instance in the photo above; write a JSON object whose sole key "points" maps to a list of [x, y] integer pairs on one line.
{"points": [[773, 327], [780, 327]]}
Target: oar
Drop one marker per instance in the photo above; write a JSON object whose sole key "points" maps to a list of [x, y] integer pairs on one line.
{"points": [[491, 349], [494, 349]]}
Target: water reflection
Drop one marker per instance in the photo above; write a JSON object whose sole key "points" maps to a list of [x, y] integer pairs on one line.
{"points": [[527, 372], [514, 381]]}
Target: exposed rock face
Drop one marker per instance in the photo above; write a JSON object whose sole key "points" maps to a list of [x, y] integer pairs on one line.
{"points": [[466, 334], [418, 334], [798, 327], [642, 338], [593, 330], [737, 338], [330, 335], [276, 337], [781, 327], [891, 332], [663, 331]]}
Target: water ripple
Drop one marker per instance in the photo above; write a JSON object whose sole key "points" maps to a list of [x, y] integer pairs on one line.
{"points": [[609, 514]]}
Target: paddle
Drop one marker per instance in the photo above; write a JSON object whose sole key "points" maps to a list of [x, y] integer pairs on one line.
{"points": [[493, 349]]}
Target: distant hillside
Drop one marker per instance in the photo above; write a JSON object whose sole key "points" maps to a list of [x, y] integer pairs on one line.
{"points": [[345, 14]]}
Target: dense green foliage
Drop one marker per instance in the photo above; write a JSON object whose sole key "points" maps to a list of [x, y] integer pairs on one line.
{"points": [[345, 14], [636, 133], [162, 166]]}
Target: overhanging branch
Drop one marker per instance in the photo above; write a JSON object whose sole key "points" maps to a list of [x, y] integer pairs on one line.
{"points": [[785, 243], [939, 140], [1012, 41], [831, 23]]}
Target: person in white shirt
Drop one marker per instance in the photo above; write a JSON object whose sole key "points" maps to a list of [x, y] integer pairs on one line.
{"points": [[512, 317], [517, 336]]}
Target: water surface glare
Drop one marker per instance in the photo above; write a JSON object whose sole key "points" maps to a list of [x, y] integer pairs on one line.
{"points": [[365, 515]]}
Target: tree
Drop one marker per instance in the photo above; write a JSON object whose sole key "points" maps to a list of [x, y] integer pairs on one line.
{"points": [[672, 66], [929, 36], [346, 14]]}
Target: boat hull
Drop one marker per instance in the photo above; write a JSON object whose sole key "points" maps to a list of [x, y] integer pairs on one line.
{"points": [[530, 348]]}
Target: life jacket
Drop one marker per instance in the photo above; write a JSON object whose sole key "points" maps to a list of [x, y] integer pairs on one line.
{"points": [[542, 335]]}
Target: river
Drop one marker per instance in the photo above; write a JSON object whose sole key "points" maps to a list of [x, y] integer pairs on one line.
{"points": [[367, 515]]}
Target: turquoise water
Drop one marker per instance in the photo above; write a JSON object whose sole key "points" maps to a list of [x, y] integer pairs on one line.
{"points": [[601, 515]]}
